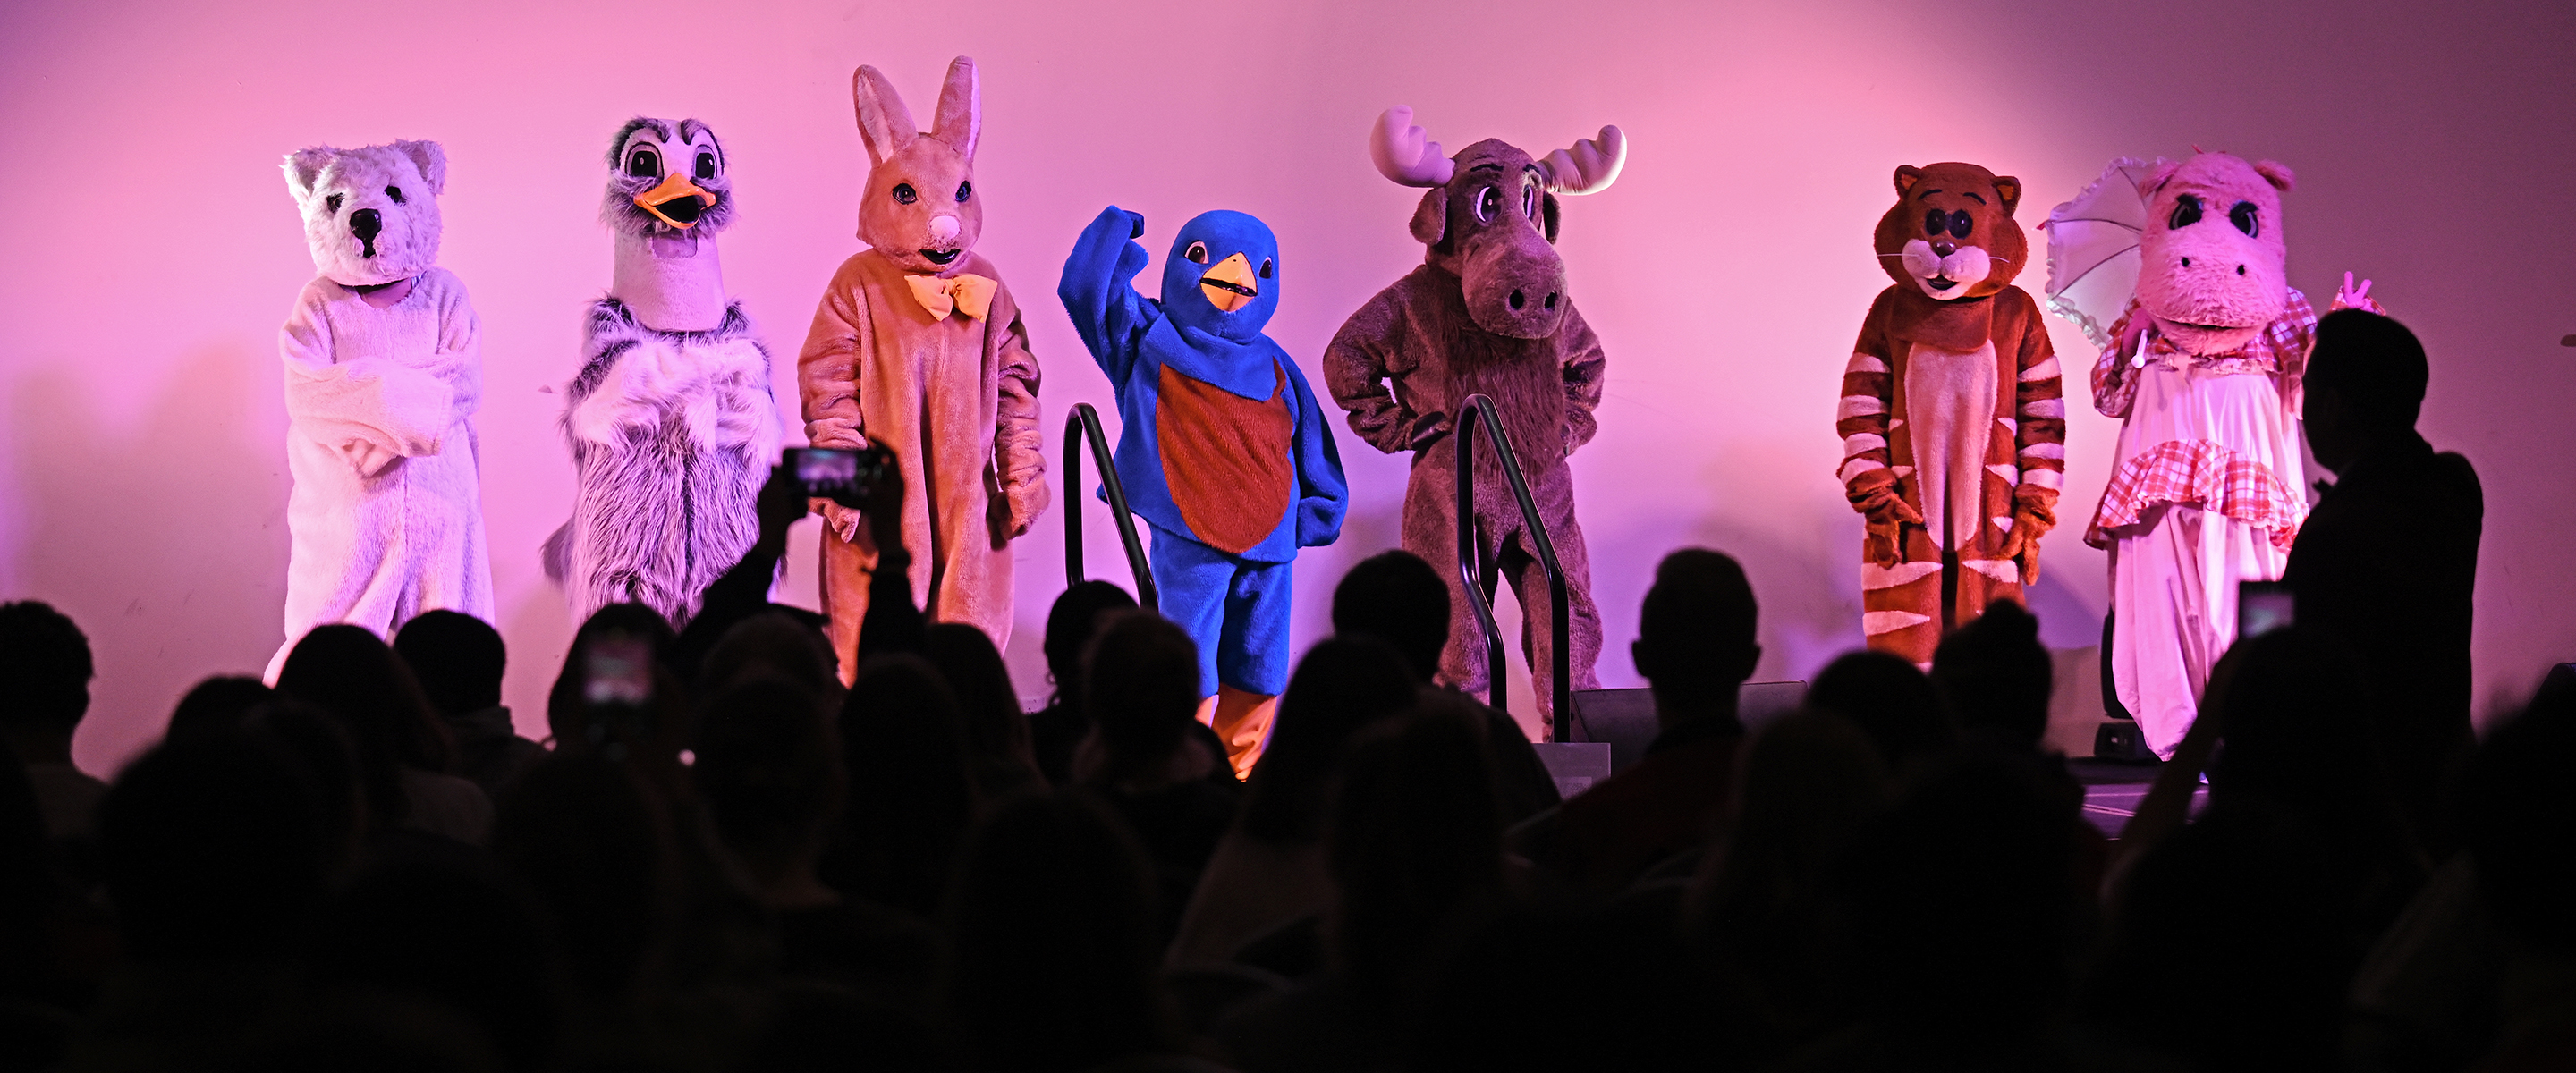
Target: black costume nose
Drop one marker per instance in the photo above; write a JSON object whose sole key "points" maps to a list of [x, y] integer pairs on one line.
{"points": [[1943, 249], [366, 224]]}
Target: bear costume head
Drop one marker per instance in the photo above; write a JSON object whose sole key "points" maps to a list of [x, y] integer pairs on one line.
{"points": [[666, 178], [1222, 276], [2213, 265], [1490, 216], [1951, 235], [920, 210], [370, 214]]}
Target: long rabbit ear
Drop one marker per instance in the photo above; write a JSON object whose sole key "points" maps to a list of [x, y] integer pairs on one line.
{"points": [[884, 123], [960, 120], [430, 159], [304, 168]]}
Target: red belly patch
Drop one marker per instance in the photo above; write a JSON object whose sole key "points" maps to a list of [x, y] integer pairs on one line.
{"points": [[1225, 459]]}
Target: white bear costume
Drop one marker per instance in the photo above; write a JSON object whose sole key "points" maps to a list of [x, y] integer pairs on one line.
{"points": [[386, 519], [670, 421]]}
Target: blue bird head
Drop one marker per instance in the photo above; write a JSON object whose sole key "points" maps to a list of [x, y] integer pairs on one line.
{"points": [[1222, 276]]}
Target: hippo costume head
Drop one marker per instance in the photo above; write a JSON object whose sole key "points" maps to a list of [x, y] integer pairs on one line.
{"points": [[2213, 268], [1490, 213]]}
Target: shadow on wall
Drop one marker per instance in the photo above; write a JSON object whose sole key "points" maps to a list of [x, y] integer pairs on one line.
{"points": [[163, 536]]}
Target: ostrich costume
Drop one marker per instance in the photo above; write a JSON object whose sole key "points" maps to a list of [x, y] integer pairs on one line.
{"points": [[383, 374], [1486, 313], [1225, 452], [671, 423]]}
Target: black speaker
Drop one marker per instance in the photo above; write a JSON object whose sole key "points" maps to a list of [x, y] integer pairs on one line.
{"points": [[2120, 741]]}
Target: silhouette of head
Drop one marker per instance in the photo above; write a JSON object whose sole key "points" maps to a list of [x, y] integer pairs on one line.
{"points": [[346, 671], [1695, 641], [1343, 686], [2365, 383], [44, 670], [1071, 623], [458, 658], [1397, 598], [1888, 699], [1995, 677], [1142, 691]]}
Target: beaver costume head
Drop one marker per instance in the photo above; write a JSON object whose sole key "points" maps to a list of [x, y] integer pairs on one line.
{"points": [[1951, 235]]}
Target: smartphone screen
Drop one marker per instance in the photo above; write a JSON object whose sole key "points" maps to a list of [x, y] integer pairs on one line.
{"points": [[826, 468], [619, 671], [2262, 607]]}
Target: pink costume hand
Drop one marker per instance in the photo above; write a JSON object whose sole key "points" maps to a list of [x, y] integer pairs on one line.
{"points": [[2351, 297]]}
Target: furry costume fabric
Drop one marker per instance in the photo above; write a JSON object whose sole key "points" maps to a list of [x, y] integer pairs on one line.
{"points": [[386, 518], [953, 391], [1486, 313], [670, 421], [2207, 486], [1953, 427], [1224, 451]]}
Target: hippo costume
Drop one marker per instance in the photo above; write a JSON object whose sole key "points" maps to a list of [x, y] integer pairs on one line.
{"points": [[1487, 313]]}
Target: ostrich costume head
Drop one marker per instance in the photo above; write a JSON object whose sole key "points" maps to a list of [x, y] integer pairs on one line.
{"points": [[370, 214], [668, 195]]}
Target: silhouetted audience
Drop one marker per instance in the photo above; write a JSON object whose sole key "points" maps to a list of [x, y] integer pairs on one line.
{"points": [[459, 660], [1058, 729], [403, 751], [1397, 598], [1176, 792], [44, 690], [729, 860], [2387, 564], [1695, 645]]}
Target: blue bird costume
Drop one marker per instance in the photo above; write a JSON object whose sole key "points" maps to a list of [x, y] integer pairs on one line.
{"points": [[1224, 452]]}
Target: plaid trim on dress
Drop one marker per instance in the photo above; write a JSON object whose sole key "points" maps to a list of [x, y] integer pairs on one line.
{"points": [[2198, 473]]}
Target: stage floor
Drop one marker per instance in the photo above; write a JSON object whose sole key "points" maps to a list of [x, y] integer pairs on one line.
{"points": [[2112, 791]]}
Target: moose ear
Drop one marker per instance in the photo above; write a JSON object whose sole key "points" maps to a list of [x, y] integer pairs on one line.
{"points": [[1906, 176], [2157, 178], [885, 125], [1431, 217], [960, 119], [2009, 189], [430, 159], [2276, 173], [304, 168]]}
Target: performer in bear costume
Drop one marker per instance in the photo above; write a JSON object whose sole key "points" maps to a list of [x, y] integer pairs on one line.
{"points": [[1486, 313], [2207, 489], [383, 374], [917, 342], [671, 423], [1224, 452], [1954, 432]]}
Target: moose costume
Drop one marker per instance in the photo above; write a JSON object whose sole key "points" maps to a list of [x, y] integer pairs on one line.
{"points": [[2207, 488], [1224, 451], [1487, 313], [919, 344], [383, 375], [1954, 433], [671, 423]]}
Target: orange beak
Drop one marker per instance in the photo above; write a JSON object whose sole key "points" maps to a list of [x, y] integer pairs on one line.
{"points": [[668, 201]]}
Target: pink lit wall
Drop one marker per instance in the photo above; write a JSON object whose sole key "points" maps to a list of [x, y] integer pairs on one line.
{"points": [[142, 485]]}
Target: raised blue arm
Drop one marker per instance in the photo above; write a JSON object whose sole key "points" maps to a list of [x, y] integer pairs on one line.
{"points": [[1107, 312]]}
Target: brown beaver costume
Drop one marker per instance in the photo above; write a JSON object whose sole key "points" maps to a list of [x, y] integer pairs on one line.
{"points": [[1486, 313], [1954, 435]]}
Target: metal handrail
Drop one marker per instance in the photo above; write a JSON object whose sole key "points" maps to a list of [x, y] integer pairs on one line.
{"points": [[1482, 577], [1082, 425]]}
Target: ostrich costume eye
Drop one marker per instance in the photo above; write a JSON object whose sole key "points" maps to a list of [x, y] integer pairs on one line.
{"points": [[644, 163], [706, 166]]}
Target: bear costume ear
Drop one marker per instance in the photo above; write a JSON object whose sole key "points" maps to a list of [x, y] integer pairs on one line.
{"points": [[2156, 179], [885, 125], [430, 159], [2009, 189], [1431, 217], [1906, 176], [960, 119], [304, 168], [2276, 173]]}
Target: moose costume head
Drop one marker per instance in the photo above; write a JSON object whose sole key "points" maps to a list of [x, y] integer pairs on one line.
{"points": [[1951, 233], [1490, 215], [2213, 260]]}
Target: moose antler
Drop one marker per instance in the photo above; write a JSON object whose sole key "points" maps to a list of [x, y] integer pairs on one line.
{"points": [[1590, 166], [1401, 154]]}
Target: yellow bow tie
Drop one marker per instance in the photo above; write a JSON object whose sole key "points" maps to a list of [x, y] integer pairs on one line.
{"points": [[966, 293]]}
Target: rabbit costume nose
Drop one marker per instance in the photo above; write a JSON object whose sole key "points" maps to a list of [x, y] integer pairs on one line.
{"points": [[943, 229]]}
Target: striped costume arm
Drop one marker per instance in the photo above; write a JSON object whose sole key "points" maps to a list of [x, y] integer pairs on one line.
{"points": [[1861, 419], [2039, 436]]}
